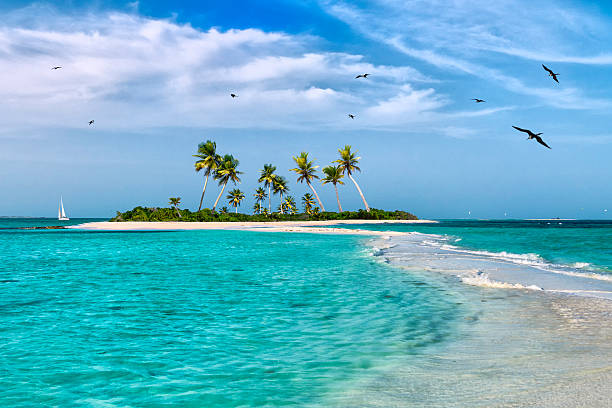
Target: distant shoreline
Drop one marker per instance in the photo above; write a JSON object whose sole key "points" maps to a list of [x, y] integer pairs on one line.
{"points": [[551, 219], [269, 226]]}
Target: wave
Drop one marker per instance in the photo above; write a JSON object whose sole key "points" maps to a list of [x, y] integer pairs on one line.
{"points": [[578, 269], [482, 280], [581, 265]]}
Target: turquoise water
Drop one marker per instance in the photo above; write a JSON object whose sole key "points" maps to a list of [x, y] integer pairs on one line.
{"points": [[205, 318], [7, 223], [575, 243]]}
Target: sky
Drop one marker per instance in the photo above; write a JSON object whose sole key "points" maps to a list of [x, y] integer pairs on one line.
{"points": [[156, 78]]}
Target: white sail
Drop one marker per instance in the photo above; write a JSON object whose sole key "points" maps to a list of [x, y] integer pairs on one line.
{"points": [[61, 214]]}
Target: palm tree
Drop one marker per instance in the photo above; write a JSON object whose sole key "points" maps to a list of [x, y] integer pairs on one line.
{"points": [[280, 187], [235, 197], [259, 196], [348, 164], [257, 208], [175, 202], [308, 202], [306, 172], [333, 175], [289, 205], [227, 171], [209, 161], [267, 177]]}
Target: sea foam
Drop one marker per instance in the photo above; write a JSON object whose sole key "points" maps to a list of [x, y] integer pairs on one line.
{"points": [[497, 269]]}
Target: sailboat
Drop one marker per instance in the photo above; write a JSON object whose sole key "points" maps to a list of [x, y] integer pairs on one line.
{"points": [[61, 214]]}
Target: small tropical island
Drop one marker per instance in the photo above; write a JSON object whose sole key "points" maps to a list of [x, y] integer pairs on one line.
{"points": [[224, 170]]}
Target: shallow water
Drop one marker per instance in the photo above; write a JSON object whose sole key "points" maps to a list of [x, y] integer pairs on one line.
{"points": [[203, 318], [237, 318], [8, 223], [582, 244]]}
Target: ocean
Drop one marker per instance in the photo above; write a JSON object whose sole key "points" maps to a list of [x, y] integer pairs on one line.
{"points": [[563, 256], [241, 318], [580, 243]]}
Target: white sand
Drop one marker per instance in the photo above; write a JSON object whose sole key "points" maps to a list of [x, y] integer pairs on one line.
{"points": [[279, 226]]}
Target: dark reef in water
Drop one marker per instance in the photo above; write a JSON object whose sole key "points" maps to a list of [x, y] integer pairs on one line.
{"points": [[36, 228]]}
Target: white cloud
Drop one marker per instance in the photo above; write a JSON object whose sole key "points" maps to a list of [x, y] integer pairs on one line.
{"points": [[458, 35], [458, 132], [130, 72], [408, 103], [531, 29]]}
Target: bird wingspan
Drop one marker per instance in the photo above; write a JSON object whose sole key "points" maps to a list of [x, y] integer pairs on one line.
{"points": [[520, 129], [540, 141], [546, 68]]}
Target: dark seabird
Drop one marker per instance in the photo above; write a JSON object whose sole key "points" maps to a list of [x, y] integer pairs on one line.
{"points": [[478, 100], [362, 76], [351, 116], [56, 67], [233, 95], [91, 122], [551, 73], [532, 135]]}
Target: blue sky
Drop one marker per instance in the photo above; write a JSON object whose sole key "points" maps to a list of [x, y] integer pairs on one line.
{"points": [[156, 78]]}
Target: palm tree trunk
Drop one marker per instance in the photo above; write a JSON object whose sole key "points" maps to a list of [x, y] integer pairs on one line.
{"points": [[281, 204], [177, 211], [338, 198], [219, 196], [360, 193], [269, 200], [203, 191], [316, 195], [236, 209]]}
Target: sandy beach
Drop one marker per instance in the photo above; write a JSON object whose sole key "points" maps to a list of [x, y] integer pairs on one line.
{"points": [[280, 226]]}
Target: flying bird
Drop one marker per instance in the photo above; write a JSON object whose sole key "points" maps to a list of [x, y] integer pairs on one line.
{"points": [[91, 122], [362, 76], [351, 116], [233, 95], [532, 135], [551, 73], [478, 100], [56, 67]]}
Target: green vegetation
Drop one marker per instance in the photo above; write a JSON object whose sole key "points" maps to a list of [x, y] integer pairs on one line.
{"points": [[288, 206], [308, 202], [259, 196], [209, 161], [206, 215], [267, 177], [226, 172], [348, 164], [174, 202], [306, 172], [280, 187], [224, 169], [235, 197], [334, 175]]}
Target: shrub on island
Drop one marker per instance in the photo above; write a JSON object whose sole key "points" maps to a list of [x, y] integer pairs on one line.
{"points": [[152, 214]]}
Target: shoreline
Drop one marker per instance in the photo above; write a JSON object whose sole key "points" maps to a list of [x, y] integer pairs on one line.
{"points": [[472, 268], [268, 226], [558, 339], [430, 253]]}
